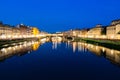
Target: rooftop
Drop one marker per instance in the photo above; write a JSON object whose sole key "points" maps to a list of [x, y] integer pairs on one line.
{"points": [[115, 22]]}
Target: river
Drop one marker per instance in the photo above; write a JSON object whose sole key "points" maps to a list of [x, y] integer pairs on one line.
{"points": [[59, 61]]}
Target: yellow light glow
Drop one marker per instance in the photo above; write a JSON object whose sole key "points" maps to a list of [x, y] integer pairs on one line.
{"points": [[35, 46], [35, 31]]}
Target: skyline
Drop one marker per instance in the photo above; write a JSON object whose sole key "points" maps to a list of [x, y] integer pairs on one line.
{"points": [[52, 16]]}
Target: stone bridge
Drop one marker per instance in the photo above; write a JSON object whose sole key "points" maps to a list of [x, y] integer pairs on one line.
{"points": [[57, 36]]}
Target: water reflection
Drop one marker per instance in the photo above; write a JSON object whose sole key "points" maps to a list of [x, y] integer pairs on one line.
{"points": [[22, 48], [19, 49], [110, 54], [56, 42], [55, 45]]}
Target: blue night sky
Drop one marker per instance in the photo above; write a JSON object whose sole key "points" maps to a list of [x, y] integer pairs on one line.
{"points": [[59, 15]]}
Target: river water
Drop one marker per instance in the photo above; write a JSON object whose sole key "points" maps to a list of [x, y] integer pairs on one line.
{"points": [[58, 61]]}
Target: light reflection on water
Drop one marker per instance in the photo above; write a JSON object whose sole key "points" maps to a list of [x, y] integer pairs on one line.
{"points": [[112, 55], [55, 45], [59, 59], [27, 47], [19, 49]]}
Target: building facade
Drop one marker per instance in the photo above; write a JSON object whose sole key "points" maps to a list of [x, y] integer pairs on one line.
{"points": [[95, 32], [113, 31], [5, 31], [21, 31]]}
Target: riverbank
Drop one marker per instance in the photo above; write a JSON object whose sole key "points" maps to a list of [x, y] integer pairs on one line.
{"points": [[112, 44], [5, 43]]}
